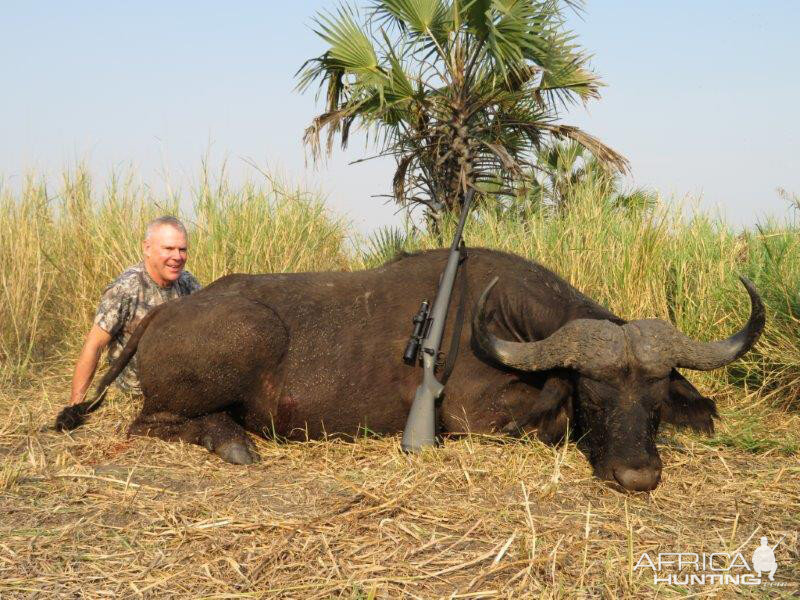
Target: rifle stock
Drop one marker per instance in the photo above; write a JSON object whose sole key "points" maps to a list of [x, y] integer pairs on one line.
{"points": [[420, 430]]}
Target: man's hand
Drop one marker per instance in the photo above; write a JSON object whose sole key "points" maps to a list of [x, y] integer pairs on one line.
{"points": [[96, 340]]}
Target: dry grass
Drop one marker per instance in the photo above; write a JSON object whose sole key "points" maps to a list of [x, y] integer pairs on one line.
{"points": [[98, 514]]}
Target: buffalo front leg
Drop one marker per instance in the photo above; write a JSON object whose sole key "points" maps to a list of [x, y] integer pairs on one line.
{"points": [[218, 432]]}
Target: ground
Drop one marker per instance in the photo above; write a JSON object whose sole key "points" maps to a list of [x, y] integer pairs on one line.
{"points": [[97, 514]]}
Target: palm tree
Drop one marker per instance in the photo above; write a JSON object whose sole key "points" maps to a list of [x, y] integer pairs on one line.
{"points": [[459, 92], [564, 170]]}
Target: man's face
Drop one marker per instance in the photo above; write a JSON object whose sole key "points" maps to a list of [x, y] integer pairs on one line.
{"points": [[165, 254]]}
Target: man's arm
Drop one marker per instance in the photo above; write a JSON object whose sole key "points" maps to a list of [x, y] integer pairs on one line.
{"points": [[96, 340]]}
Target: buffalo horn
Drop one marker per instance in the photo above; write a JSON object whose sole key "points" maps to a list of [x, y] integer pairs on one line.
{"points": [[575, 345], [705, 356], [568, 347]]}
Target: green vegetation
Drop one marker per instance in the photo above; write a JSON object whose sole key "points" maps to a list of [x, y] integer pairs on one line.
{"points": [[460, 93], [59, 251], [562, 169]]}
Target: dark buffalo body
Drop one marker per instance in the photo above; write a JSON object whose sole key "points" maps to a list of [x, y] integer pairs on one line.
{"points": [[320, 353], [304, 355]]}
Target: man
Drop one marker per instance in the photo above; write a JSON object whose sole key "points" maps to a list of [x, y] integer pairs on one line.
{"points": [[158, 278]]}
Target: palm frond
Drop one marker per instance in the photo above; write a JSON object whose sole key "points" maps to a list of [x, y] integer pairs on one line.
{"points": [[400, 88], [350, 48], [476, 15], [399, 179], [604, 153], [332, 120], [510, 34], [385, 244], [418, 17], [501, 151]]}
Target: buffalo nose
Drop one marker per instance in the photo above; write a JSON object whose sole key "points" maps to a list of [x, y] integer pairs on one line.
{"points": [[638, 480]]}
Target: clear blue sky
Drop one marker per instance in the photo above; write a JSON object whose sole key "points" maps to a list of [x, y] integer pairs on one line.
{"points": [[702, 97]]}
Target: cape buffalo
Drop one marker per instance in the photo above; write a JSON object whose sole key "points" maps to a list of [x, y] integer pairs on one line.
{"points": [[303, 355]]}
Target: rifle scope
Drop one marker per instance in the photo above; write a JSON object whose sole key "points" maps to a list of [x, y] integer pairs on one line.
{"points": [[419, 321]]}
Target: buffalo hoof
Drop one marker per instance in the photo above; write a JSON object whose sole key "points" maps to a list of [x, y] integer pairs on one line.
{"points": [[235, 453]]}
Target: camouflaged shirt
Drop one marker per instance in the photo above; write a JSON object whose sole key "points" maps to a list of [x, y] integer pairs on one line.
{"points": [[124, 304]]}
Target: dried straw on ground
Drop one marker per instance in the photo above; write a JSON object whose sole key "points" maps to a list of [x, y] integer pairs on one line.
{"points": [[97, 514]]}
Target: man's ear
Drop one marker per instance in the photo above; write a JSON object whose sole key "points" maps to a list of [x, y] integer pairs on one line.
{"points": [[686, 407]]}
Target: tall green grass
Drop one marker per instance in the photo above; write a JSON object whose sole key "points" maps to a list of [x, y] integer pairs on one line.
{"points": [[59, 248]]}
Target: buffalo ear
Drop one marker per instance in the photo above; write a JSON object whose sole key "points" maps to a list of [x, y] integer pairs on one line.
{"points": [[686, 407], [556, 400], [553, 426]]}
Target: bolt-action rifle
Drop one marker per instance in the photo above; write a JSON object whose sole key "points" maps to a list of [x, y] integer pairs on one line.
{"points": [[420, 428]]}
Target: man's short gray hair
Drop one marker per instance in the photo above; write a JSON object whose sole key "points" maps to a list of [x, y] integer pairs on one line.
{"points": [[165, 220]]}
